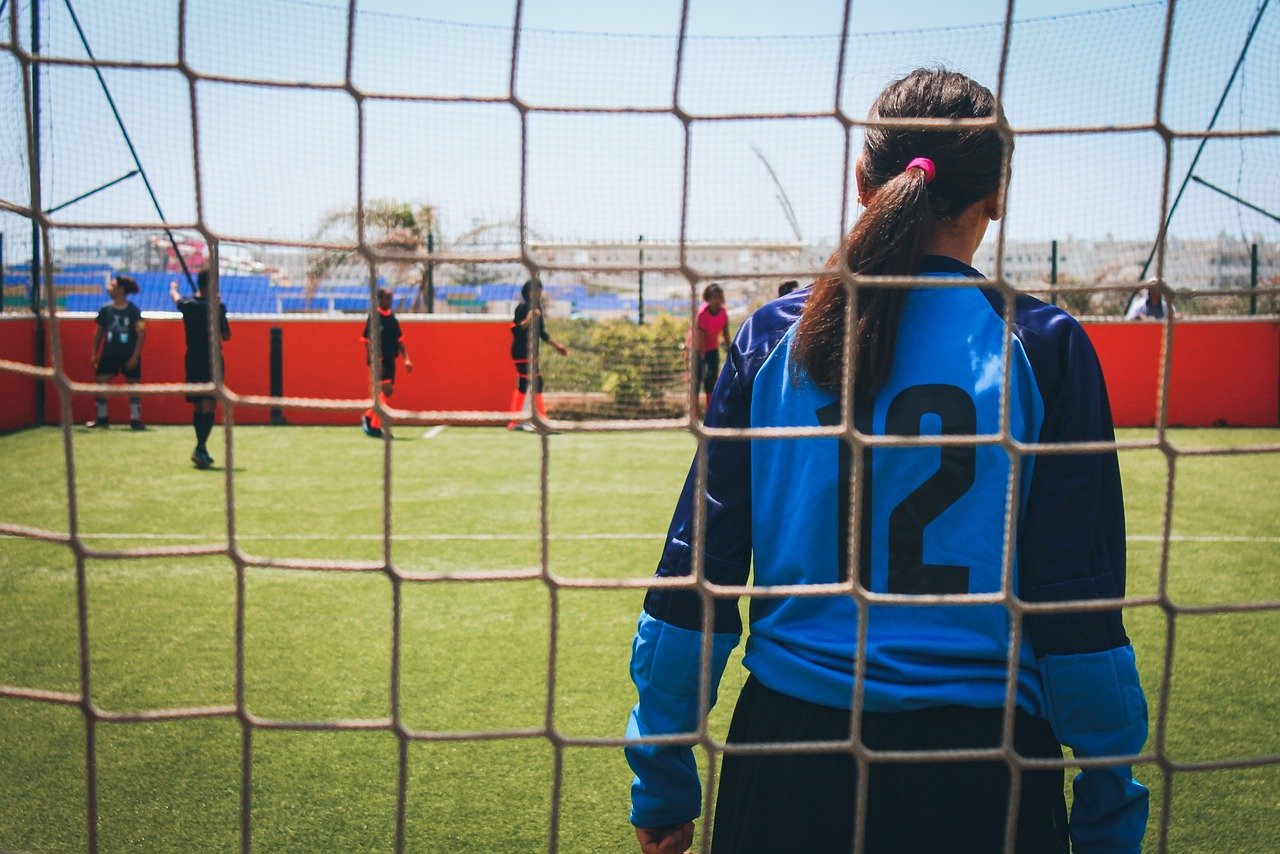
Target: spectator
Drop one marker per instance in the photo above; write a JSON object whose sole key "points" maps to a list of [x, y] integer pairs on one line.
{"points": [[1153, 307]]}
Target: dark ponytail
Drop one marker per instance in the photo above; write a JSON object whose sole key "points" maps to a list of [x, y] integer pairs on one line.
{"points": [[904, 210]]}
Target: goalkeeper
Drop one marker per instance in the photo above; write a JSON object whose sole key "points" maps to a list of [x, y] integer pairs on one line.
{"points": [[928, 361]]}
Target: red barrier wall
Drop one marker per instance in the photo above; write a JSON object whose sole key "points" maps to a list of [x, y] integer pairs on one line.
{"points": [[17, 393], [458, 365], [1223, 372]]}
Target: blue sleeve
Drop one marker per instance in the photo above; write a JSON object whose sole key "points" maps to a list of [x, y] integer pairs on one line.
{"points": [[727, 544], [666, 654], [1071, 547], [665, 666]]}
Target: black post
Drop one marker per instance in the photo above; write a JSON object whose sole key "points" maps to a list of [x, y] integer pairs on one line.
{"points": [[431, 273], [1053, 273], [277, 372], [640, 300], [1253, 279], [35, 220]]}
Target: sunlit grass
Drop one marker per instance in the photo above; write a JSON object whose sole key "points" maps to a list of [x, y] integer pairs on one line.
{"points": [[475, 656]]}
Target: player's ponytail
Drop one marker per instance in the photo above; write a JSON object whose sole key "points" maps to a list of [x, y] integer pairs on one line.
{"points": [[904, 207]]}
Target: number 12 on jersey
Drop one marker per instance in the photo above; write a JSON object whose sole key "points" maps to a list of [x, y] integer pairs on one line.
{"points": [[908, 572]]}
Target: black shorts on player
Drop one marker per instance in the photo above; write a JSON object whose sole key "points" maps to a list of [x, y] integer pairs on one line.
{"points": [[388, 369], [198, 370], [954, 806], [522, 378], [116, 364]]}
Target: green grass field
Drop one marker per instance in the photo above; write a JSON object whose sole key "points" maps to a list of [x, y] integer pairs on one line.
{"points": [[474, 655]]}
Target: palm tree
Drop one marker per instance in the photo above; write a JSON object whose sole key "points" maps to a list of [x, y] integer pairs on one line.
{"points": [[403, 235]]}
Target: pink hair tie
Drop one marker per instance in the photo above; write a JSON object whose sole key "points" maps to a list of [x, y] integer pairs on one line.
{"points": [[925, 165]]}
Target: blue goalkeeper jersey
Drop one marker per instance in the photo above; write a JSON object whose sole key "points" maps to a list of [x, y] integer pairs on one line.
{"points": [[933, 521]]}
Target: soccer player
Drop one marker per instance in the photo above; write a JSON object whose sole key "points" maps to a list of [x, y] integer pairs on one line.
{"points": [[199, 359], [528, 315], [391, 342], [928, 362], [710, 330], [117, 347]]}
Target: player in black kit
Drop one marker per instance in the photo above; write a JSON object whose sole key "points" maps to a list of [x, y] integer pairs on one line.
{"points": [[528, 314], [391, 344], [117, 347], [199, 360]]}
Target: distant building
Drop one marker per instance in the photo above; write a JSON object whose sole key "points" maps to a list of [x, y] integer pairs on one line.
{"points": [[605, 277]]}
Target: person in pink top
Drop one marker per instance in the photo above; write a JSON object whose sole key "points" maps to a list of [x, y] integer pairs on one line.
{"points": [[711, 329]]}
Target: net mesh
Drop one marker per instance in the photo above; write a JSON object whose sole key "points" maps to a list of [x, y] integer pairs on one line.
{"points": [[648, 135]]}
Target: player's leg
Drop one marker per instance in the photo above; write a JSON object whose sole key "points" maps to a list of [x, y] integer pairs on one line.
{"points": [[384, 397], [371, 422], [710, 373], [519, 394], [539, 403], [101, 419], [133, 376], [202, 418], [701, 369], [202, 409]]}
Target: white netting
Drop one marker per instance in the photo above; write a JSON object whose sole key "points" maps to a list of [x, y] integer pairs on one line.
{"points": [[584, 141]]}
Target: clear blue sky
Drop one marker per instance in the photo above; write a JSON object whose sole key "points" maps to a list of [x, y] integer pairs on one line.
{"points": [[275, 161], [731, 17]]}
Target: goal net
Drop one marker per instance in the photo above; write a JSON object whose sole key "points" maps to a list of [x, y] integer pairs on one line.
{"points": [[319, 151]]}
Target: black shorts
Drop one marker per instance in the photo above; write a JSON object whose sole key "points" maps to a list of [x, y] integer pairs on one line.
{"points": [[199, 370], [806, 802], [522, 378], [708, 369], [112, 364], [389, 370]]}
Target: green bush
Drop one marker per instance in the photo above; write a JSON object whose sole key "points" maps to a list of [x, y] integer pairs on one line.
{"points": [[639, 368]]}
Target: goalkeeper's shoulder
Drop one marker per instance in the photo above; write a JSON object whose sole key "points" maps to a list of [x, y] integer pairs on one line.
{"points": [[761, 332]]}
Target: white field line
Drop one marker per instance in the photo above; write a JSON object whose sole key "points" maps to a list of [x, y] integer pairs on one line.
{"points": [[434, 431], [1137, 538]]}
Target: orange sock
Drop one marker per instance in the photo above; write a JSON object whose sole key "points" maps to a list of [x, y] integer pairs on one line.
{"points": [[541, 404], [517, 406], [374, 421]]}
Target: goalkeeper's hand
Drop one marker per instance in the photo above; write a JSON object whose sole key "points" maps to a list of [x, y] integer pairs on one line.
{"points": [[675, 839]]}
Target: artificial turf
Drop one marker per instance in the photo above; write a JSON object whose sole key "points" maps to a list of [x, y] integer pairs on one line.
{"points": [[476, 656]]}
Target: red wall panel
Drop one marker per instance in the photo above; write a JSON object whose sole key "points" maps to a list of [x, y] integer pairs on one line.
{"points": [[458, 365], [1223, 372], [17, 393]]}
